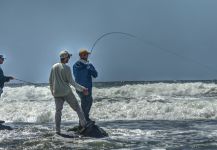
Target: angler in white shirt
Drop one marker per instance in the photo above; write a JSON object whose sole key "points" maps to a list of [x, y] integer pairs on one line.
{"points": [[60, 81]]}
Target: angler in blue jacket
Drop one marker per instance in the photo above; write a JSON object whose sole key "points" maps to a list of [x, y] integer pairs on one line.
{"points": [[83, 72], [3, 78]]}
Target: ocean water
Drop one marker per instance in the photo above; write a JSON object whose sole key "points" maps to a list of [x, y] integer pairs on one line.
{"points": [[174, 115]]}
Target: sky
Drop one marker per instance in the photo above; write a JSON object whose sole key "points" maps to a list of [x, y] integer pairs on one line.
{"points": [[175, 39]]}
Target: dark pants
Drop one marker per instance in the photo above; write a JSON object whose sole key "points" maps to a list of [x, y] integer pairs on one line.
{"points": [[1, 91], [86, 103]]}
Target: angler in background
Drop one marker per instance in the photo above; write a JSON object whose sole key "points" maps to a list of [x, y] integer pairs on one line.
{"points": [[3, 78], [83, 72], [60, 81]]}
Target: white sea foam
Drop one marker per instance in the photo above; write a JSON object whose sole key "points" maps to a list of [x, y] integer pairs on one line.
{"points": [[159, 101], [162, 89]]}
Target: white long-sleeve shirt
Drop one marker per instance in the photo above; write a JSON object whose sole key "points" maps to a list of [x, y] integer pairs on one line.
{"points": [[61, 79]]}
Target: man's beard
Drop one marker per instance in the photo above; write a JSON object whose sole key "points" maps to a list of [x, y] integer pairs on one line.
{"points": [[85, 59]]}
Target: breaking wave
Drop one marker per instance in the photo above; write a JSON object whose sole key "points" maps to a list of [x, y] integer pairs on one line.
{"points": [[156, 101]]}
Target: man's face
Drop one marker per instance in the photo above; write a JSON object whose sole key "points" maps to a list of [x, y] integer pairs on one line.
{"points": [[84, 56], [67, 59], [2, 60]]}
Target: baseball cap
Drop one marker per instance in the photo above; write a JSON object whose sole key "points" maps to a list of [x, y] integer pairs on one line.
{"points": [[84, 51], [2, 57], [65, 54]]}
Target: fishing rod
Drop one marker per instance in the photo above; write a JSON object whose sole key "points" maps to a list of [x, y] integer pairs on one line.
{"points": [[207, 67], [109, 33]]}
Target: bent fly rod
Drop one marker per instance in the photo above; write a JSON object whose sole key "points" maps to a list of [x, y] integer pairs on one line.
{"points": [[207, 67]]}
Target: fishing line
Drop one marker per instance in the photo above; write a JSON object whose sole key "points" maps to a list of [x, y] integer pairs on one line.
{"points": [[207, 67], [27, 82]]}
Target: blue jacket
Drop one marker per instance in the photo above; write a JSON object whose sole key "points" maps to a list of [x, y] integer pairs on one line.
{"points": [[3, 78], [83, 73]]}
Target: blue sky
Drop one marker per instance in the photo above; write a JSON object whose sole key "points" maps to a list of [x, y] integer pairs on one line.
{"points": [[32, 33]]}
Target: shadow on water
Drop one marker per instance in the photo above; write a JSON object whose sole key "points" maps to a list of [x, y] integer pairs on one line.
{"points": [[123, 134]]}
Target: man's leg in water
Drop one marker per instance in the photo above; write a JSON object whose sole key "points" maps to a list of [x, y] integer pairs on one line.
{"points": [[72, 101], [1, 91], [59, 101], [86, 103]]}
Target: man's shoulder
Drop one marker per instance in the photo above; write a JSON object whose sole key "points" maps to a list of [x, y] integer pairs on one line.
{"points": [[56, 65], [61, 66], [76, 63], [66, 67]]}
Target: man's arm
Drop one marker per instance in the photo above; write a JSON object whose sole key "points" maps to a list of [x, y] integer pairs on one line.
{"points": [[92, 70], [51, 81], [8, 78], [4, 78], [73, 83]]}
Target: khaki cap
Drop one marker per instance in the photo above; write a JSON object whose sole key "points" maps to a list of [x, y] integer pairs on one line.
{"points": [[83, 51]]}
